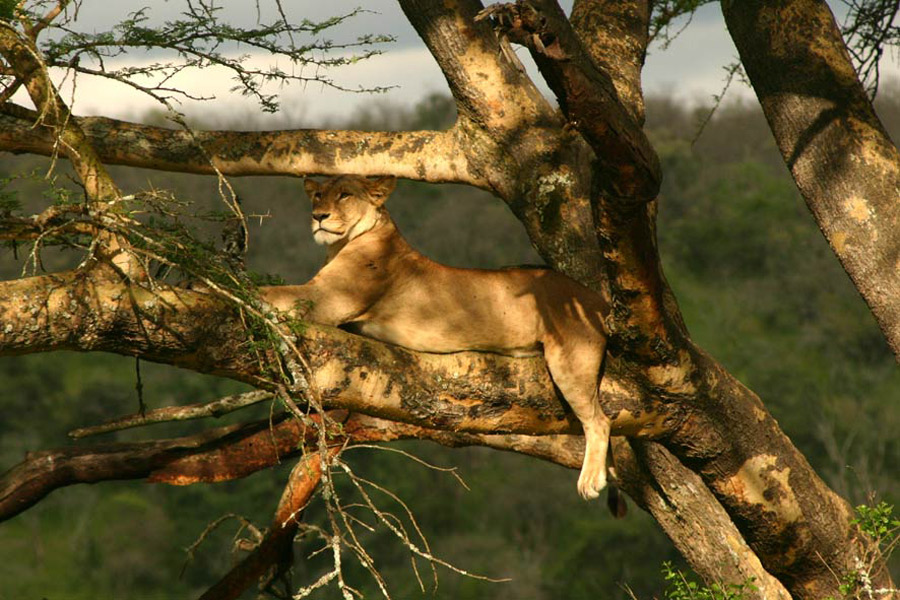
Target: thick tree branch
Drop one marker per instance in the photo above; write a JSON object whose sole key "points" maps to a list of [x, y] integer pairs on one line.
{"points": [[616, 34], [692, 517], [729, 438], [587, 96], [475, 392], [435, 156], [837, 150], [657, 383], [487, 81]]}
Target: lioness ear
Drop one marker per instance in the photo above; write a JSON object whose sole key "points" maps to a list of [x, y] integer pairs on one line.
{"points": [[381, 188], [311, 186]]}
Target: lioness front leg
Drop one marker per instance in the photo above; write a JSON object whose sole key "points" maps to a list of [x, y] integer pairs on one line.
{"points": [[575, 370]]}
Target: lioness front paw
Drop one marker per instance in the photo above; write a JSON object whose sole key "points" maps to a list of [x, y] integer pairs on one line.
{"points": [[591, 481]]}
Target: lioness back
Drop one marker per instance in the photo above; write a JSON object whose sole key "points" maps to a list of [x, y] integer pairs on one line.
{"points": [[435, 308]]}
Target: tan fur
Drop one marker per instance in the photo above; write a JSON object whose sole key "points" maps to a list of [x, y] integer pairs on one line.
{"points": [[378, 285]]}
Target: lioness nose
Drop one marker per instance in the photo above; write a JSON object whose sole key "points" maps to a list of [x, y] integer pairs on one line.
{"points": [[320, 216]]}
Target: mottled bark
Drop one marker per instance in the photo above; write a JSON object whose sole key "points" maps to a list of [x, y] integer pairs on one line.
{"points": [[434, 156], [616, 34], [474, 392], [799, 528], [491, 89], [626, 163], [841, 158], [689, 513]]}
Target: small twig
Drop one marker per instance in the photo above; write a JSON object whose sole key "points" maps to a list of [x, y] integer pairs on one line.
{"points": [[139, 387], [168, 414], [245, 524], [452, 470], [732, 70], [427, 555]]}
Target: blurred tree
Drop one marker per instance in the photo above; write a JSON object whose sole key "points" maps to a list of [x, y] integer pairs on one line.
{"points": [[702, 455]]}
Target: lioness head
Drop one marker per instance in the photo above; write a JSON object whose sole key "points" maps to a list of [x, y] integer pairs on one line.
{"points": [[347, 206]]}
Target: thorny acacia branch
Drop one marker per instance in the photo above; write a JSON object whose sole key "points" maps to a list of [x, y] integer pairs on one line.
{"points": [[201, 38]]}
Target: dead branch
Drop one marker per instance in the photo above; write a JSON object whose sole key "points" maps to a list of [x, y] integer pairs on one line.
{"points": [[275, 551], [233, 452]]}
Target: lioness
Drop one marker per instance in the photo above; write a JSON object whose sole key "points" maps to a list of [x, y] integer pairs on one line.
{"points": [[377, 284]]}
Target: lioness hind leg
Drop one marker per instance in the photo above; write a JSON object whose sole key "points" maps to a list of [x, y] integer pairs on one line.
{"points": [[575, 369]]}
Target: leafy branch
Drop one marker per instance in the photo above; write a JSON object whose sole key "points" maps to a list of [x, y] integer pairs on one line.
{"points": [[201, 38]]}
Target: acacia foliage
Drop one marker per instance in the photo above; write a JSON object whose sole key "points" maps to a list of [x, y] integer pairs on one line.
{"points": [[731, 223]]}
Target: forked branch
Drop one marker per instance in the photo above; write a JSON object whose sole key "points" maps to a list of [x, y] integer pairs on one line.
{"points": [[586, 94]]}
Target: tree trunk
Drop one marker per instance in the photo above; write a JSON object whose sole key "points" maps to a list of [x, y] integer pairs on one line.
{"points": [[840, 156]]}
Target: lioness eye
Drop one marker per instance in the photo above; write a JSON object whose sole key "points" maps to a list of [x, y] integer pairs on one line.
{"points": [[344, 196]]}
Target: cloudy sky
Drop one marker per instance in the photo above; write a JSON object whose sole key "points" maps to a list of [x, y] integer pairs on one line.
{"points": [[691, 69]]}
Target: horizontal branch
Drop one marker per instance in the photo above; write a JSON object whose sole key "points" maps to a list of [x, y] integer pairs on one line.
{"points": [[467, 391], [233, 452], [165, 461], [434, 156]]}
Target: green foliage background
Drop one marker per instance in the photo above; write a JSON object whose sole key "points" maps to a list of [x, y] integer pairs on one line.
{"points": [[759, 288]]}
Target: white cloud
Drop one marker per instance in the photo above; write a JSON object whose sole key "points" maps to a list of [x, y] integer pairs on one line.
{"points": [[412, 73]]}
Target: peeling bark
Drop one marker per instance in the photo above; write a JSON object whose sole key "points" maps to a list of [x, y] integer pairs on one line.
{"points": [[276, 550], [236, 451]]}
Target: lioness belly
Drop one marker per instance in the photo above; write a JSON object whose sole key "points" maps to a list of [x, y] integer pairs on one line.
{"points": [[437, 337]]}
